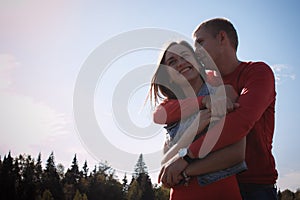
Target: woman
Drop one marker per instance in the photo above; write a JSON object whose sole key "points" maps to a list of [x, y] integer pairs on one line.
{"points": [[179, 76]]}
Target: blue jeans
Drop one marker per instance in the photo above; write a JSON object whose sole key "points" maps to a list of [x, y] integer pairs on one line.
{"points": [[209, 178], [260, 194]]}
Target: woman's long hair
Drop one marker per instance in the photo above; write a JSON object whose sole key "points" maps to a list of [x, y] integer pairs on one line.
{"points": [[162, 87]]}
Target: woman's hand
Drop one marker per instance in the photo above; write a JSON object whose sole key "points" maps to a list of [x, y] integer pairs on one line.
{"points": [[170, 173]]}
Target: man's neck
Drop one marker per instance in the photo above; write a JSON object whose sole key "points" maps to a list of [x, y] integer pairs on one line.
{"points": [[229, 66]]}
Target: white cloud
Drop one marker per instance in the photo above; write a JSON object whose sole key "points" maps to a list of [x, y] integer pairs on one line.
{"points": [[31, 127], [24, 121], [283, 73]]}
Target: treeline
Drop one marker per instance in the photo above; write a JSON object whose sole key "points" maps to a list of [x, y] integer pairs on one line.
{"points": [[289, 195], [24, 178]]}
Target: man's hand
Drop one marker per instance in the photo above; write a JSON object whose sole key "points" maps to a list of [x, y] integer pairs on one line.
{"points": [[170, 173], [205, 117], [222, 102]]}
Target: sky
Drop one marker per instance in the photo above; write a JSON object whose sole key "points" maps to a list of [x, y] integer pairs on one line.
{"points": [[74, 75]]}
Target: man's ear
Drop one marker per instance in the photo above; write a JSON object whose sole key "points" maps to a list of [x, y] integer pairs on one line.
{"points": [[222, 37]]}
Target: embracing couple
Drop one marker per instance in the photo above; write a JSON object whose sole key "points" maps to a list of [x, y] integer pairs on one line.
{"points": [[218, 113]]}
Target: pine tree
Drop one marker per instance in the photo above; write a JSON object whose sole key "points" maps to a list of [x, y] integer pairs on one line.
{"points": [[141, 186], [71, 180], [51, 179], [28, 184], [85, 169], [75, 169], [16, 175], [134, 191], [38, 175], [140, 166], [83, 184], [103, 185], [50, 164], [7, 184], [146, 186], [73, 174], [125, 185]]}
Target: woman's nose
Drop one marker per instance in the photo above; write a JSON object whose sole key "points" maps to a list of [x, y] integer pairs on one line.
{"points": [[180, 62]]}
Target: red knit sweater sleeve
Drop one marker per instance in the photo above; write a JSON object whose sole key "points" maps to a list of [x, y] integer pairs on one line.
{"points": [[257, 95], [173, 110]]}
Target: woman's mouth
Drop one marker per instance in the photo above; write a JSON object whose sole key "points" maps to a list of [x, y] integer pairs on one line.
{"points": [[185, 70]]}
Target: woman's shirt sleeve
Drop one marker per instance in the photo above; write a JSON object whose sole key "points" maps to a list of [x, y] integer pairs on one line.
{"points": [[170, 111]]}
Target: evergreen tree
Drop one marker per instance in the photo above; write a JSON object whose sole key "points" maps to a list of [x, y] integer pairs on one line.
{"points": [[113, 187], [95, 186], [38, 175], [16, 176], [145, 184], [103, 185], [85, 169], [141, 186], [134, 191], [140, 166], [51, 179], [50, 164], [73, 174], [28, 184], [7, 184], [83, 185], [125, 185], [71, 180]]}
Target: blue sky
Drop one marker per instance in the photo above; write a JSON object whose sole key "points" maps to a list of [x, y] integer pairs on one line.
{"points": [[44, 46]]}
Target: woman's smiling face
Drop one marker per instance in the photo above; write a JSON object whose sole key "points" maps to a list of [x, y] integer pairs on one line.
{"points": [[182, 64]]}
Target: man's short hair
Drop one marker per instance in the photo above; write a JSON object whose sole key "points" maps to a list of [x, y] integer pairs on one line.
{"points": [[214, 26]]}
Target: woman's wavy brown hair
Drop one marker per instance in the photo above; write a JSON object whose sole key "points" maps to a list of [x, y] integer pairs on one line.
{"points": [[162, 87]]}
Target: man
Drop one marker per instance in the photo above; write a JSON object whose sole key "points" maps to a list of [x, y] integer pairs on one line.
{"points": [[254, 118]]}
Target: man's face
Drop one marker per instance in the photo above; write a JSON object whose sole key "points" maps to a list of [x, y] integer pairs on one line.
{"points": [[206, 45]]}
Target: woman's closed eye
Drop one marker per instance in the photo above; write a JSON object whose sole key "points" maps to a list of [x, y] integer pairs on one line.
{"points": [[171, 62]]}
